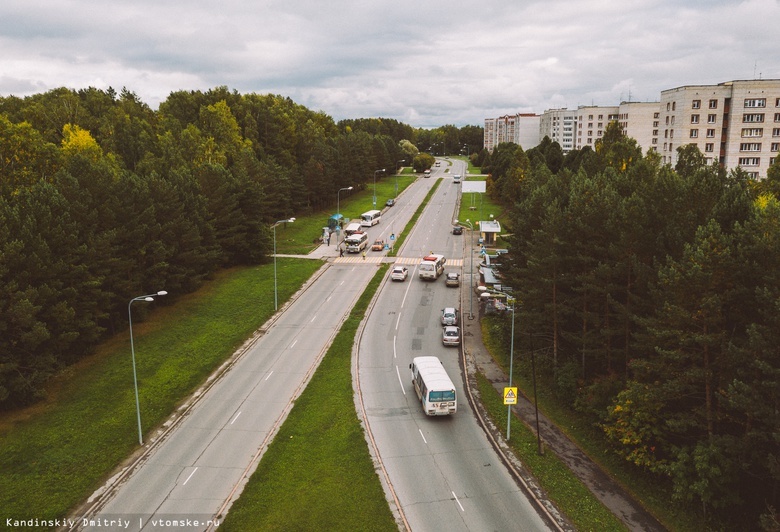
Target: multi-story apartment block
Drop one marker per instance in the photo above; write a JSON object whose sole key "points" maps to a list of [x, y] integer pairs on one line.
{"points": [[736, 124], [640, 121], [591, 123], [521, 129], [559, 125]]}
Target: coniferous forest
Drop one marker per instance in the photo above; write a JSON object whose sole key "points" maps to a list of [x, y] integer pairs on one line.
{"points": [[651, 293]]}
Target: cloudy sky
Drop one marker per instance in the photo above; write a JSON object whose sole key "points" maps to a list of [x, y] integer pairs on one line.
{"points": [[423, 62]]}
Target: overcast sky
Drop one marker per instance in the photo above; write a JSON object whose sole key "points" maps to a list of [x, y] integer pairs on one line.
{"points": [[424, 62]]}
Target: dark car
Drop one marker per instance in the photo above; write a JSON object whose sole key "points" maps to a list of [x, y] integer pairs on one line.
{"points": [[457, 230]]}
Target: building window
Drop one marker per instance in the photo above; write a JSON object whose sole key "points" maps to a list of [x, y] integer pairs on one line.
{"points": [[752, 118], [694, 133], [710, 133], [671, 133], [709, 147], [752, 132], [777, 117], [711, 119], [694, 119], [601, 117], [750, 146], [667, 120], [672, 120], [655, 132], [749, 161], [775, 146], [755, 102], [668, 105], [674, 106], [776, 132], [777, 102], [696, 104], [713, 104]]}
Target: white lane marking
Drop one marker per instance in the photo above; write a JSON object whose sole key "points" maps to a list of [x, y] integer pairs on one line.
{"points": [[397, 321], [424, 440], [235, 418], [398, 372], [328, 299], [293, 344], [269, 375], [314, 318], [394, 353], [456, 500], [189, 477]]}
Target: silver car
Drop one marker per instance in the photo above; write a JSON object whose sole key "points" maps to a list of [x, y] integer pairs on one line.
{"points": [[449, 316], [450, 335]]}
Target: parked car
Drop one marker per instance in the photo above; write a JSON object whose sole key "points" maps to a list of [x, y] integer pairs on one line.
{"points": [[453, 279], [399, 273], [378, 245], [450, 335], [390, 202], [449, 316], [457, 230]]}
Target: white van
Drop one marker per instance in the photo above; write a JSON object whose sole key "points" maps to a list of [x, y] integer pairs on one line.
{"points": [[356, 242], [431, 267], [352, 228]]}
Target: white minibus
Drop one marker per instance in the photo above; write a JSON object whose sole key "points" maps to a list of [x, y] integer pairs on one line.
{"points": [[431, 267], [433, 386], [356, 242], [367, 219]]}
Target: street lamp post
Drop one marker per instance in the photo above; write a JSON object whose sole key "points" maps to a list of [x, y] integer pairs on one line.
{"points": [[375, 173], [148, 297], [511, 363], [471, 276], [276, 297], [338, 202]]}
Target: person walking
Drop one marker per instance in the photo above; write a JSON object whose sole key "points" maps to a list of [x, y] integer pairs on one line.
{"points": [[341, 251], [364, 255]]}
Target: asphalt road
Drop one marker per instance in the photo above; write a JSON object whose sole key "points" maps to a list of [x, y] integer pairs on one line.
{"points": [[444, 471]]}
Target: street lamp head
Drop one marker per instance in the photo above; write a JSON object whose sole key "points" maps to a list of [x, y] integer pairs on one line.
{"points": [[291, 220], [148, 298], [350, 188], [162, 293]]}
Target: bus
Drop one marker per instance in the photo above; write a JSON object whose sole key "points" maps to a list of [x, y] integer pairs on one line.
{"points": [[367, 219], [431, 267], [433, 386], [356, 242]]}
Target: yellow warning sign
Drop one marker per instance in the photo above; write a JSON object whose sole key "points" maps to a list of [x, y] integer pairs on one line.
{"points": [[510, 395]]}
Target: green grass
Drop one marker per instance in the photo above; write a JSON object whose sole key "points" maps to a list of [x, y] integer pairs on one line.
{"points": [[317, 474], [55, 454], [298, 238], [571, 496]]}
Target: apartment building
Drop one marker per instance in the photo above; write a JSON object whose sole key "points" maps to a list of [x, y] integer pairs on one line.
{"points": [[591, 122], [559, 125], [521, 129], [736, 123]]}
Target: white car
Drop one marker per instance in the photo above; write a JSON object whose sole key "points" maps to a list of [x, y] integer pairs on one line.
{"points": [[449, 316], [399, 273], [450, 335]]}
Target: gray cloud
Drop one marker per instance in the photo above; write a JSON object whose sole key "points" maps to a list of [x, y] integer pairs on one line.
{"points": [[424, 63]]}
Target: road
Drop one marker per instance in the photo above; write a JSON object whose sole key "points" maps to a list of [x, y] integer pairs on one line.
{"points": [[199, 466], [444, 471]]}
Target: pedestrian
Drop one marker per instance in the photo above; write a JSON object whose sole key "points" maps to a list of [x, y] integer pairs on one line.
{"points": [[329, 238], [364, 255], [341, 251]]}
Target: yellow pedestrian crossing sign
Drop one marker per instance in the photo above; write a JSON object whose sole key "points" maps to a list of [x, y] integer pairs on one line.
{"points": [[510, 395]]}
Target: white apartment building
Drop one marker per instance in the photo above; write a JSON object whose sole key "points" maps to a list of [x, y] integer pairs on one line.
{"points": [[521, 129], [591, 123], [736, 123], [559, 125]]}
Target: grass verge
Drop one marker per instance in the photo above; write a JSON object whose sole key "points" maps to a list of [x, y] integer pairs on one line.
{"points": [[317, 474], [55, 454], [571, 496]]}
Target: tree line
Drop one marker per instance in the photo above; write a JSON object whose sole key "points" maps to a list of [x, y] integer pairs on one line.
{"points": [[103, 199], [651, 294]]}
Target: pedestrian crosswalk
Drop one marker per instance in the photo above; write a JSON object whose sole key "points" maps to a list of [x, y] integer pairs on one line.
{"points": [[377, 259]]}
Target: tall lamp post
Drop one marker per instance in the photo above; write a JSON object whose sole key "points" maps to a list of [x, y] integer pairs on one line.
{"points": [[375, 173], [276, 297], [401, 162], [338, 202], [148, 297], [511, 363], [471, 276]]}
